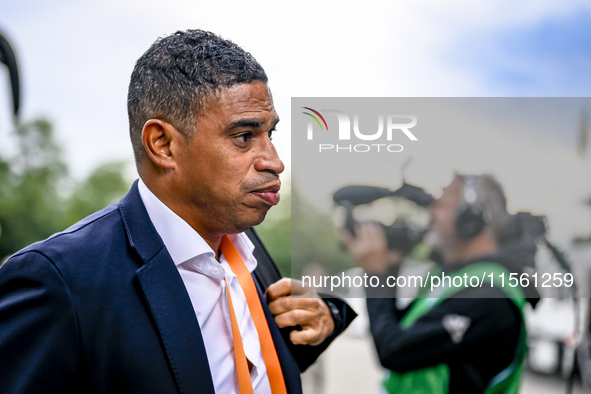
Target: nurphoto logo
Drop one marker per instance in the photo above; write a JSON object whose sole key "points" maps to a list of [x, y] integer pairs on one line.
{"points": [[394, 125]]}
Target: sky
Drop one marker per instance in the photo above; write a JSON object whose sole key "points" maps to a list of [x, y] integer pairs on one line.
{"points": [[76, 58]]}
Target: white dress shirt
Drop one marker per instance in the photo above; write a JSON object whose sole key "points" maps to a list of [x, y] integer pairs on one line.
{"points": [[203, 277]]}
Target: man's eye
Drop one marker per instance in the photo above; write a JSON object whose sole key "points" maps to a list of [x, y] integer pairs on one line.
{"points": [[244, 137]]}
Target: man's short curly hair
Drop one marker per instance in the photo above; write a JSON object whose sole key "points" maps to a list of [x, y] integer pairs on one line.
{"points": [[171, 80]]}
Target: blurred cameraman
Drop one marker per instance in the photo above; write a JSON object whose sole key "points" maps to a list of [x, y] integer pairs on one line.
{"points": [[455, 339]]}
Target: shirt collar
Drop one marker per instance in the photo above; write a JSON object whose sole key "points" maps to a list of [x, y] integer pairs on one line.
{"points": [[181, 240]]}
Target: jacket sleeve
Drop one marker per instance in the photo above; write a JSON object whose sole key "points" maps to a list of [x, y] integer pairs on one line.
{"points": [[38, 329], [491, 322]]}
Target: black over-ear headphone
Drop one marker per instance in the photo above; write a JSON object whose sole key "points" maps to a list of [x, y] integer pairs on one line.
{"points": [[471, 217]]}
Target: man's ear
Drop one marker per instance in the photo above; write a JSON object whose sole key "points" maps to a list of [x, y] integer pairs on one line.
{"points": [[160, 140]]}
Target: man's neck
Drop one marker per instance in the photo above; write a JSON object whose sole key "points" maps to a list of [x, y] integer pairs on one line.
{"points": [[214, 244], [163, 193]]}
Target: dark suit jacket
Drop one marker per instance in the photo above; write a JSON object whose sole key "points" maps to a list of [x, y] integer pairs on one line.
{"points": [[101, 308]]}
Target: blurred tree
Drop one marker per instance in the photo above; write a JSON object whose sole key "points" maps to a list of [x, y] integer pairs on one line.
{"points": [[34, 203], [275, 232], [105, 186], [30, 202], [316, 239]]}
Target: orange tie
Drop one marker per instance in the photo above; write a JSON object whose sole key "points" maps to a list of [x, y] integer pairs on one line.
{"points": [[244, 382], [246, 281]]}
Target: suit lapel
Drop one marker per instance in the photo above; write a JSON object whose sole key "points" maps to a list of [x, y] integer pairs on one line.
{"points": [[291, 371], [266, 272], [167, 300], [264, 275]]}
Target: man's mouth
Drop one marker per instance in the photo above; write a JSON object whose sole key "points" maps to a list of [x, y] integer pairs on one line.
{"points": [[269, 194]]}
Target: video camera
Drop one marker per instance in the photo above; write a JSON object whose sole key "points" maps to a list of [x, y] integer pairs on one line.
{"points": [[401, 236], [518, 240]]}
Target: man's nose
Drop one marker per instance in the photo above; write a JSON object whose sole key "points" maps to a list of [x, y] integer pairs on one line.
{"points": [[268, 159]]}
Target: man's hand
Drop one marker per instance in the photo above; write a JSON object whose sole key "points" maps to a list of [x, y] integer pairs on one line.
{"points": [[309, 312], [369, 246]]}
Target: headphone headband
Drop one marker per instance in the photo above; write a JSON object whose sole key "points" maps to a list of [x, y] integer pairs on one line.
{"points": [[470, 216]]}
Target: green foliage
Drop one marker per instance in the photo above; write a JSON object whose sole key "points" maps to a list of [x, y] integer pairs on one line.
{"points": [[105, 186], [33, 204], [29, 182], [316, 239]]}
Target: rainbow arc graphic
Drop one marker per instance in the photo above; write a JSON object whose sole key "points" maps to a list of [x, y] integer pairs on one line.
{"points": [[315, 118]]}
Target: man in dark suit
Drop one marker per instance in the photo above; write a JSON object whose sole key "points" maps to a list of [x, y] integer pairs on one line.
{"points": [[138, 297]]}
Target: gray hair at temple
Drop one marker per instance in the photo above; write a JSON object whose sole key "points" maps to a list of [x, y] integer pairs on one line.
{"points": [[171, 80], [491, 197]]}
